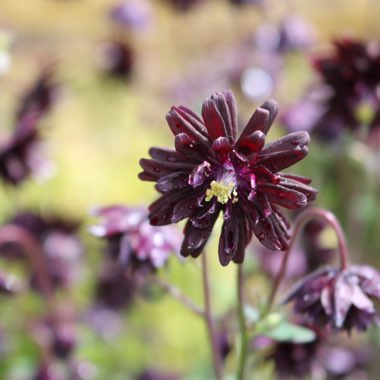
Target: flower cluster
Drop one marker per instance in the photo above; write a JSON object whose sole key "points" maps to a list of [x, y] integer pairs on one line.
{"points": [[212, 171]]}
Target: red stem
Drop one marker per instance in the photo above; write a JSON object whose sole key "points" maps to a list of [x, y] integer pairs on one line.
{"points": [[299, 223]]}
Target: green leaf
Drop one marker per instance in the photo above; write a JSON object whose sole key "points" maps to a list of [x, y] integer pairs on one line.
{"points": [[289, 332]]}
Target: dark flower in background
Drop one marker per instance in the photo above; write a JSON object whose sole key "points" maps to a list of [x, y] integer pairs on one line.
{"points": [[116, 59], [212, 171], [338, 299], [294, 359], [114, 290], [21, 154], [182, 5], [18, 152], [155, 375], [57, 238], [348, 95], [40, 98], [132, 241], [293, 33]]}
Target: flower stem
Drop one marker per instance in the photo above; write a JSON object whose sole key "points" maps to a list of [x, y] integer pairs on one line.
{"points": [[299, 223], [179, 296], [14, 234], [217, 360], [242, 324]]}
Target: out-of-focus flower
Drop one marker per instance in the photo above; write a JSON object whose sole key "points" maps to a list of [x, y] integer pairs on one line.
{"points": [[47, 371], [155, 375], [18, 152], [244, 2], [59, 243], [212, 171], [340, 362], [21, 154], [182, 5], [114, 290], [132, 241], [338, 299], [292, 34], [39, 99], [9, 284], [348, 95], [116, 59], [133, 15], [294, 359]]}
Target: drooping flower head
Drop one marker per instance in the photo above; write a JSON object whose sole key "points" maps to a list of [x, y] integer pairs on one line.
{"points": [[212, 171], [132, 241], [338, 299]]}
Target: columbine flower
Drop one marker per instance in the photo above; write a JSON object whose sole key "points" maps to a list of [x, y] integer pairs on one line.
{"points": [[132, 241], [348, 96], [212, 171], [338, 299]]}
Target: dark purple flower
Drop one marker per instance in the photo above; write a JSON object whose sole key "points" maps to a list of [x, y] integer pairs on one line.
{"points": [[182, 5], [18, 153], [154, 375], [116, 59], [212, 171], [350, 80], [243, 2], [58, 240], [39, 99], [338, 299], [294, 359], [114, 290], [21, 154], [132, 241]]}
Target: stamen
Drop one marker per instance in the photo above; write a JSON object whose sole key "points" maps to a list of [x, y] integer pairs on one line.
{"points": [[222, 191]]}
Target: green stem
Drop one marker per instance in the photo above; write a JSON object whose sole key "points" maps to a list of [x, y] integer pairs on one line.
{"points": [[216, 356], [242, 325]]}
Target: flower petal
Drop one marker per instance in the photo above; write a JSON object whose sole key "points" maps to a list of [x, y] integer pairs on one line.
{"points": [[196, 238], [178, 124], [213, 119]]}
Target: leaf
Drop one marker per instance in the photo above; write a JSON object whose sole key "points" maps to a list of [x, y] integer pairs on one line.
{"points": [[289, 332]]}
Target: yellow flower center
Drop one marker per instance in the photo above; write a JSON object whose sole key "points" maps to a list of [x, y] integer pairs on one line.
{"points": [[222, 191]]}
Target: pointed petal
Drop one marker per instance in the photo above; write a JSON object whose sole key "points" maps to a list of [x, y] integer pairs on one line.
{"points": [[196, 238], [178, 124], [213, 120], [257, 122], [172, 182], [277, 160], [221, 101], [283, 196]]}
